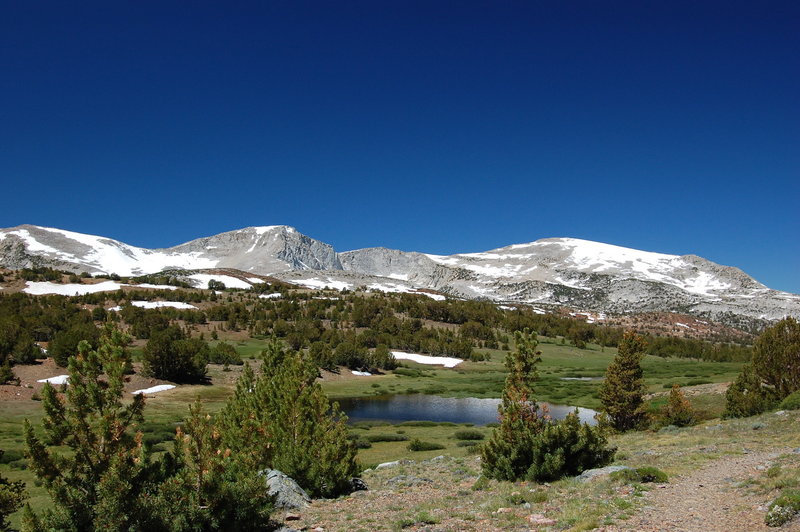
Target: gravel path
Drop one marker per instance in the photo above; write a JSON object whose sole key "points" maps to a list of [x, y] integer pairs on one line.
{"points": [[708, 500]]}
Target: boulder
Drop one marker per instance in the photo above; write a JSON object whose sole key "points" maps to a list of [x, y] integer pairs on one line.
{"points": [[288, 494], [591, 474]]}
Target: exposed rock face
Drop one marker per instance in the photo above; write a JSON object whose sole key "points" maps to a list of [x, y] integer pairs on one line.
{"points": [[557, 271]]}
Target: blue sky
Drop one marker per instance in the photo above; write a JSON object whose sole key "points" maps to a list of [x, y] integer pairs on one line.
{"points": [[440, 127]]}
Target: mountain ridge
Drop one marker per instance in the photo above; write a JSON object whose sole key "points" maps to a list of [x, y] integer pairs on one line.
{"points": [[558, 270]]}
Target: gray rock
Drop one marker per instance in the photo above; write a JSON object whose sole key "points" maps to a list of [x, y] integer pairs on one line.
{"points": [[591, 474], [394, 464], [288, 494]]}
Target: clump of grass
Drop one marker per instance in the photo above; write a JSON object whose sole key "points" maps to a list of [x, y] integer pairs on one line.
{"points": [[467, 443], [468, 435], [418, 445], [375, 438], [640, 474], [418, 424], [784, 508]]}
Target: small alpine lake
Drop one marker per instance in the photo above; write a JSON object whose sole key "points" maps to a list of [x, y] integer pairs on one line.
{"points": [[418, 407]]}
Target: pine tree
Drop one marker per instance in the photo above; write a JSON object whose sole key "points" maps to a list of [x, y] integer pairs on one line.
{"points": [[509, 452], [207, 486], [622, 391], [747, 396], [98, 483], [12, 495], [678, 411], [776, 357], [772, 375], [281, 419], [527, 444]]}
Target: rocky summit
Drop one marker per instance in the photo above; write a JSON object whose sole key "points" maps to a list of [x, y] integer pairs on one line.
{"points": [[566, 272]]}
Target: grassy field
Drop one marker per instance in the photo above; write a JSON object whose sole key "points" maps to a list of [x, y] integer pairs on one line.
{"points": [[560, 365]]}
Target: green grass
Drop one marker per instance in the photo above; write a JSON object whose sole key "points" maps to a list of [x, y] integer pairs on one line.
{"points": [[486, 379]]}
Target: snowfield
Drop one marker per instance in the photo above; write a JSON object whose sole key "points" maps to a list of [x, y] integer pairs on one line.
{"points": [[448, 362]]}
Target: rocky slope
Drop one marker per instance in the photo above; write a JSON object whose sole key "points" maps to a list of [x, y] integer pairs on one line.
{"points": [[557, 271]]}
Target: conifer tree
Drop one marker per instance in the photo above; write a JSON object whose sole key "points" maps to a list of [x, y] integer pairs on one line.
{"points": [[281, 419], [527, 444], [508, 454], [678, 411], [96, 485], [12, 495], [773, 373], [622, 391], [776, 357], [207, 487], [747, 396]]}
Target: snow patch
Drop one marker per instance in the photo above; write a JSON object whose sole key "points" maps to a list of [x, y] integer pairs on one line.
{"points": [[322, 283], [230, 282], [58, 379], [447, 362], [154, 389], [157, 304], [154, 286], [362, 373], [275, 295], [46, 287]]}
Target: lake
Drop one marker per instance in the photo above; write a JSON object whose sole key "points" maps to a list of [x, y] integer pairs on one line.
{"points": [[399, 408]]}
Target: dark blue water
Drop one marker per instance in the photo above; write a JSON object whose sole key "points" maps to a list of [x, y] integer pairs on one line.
{"points": [[398, 408]]}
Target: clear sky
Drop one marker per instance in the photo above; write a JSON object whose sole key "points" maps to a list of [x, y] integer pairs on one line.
{"points": [[429, 126]]}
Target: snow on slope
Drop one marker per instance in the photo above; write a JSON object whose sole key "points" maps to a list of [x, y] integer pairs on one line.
{"points": [[46, 287], [71, 289], [202, 280], [157, 304]]}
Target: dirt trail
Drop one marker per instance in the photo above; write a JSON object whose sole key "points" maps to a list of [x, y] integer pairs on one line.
{"points": [[708, 500]]}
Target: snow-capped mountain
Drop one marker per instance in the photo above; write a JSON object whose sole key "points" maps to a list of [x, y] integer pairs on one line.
{"points": [[560, 271], [266, 250]]}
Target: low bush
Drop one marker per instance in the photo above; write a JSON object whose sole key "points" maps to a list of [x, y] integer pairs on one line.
{"points": [[375, 438], [417, 445], [791, 401], [468, 435]]}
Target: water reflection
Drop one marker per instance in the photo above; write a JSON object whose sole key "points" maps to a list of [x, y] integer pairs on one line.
{"points": [[398, 408]]}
